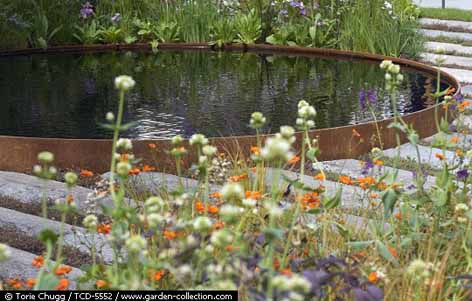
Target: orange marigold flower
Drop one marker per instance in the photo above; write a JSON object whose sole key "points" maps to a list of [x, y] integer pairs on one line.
{"points": [[212, 209], [393, 251], [294, 160], [459, 152], [152, 145], [154, 275], [355, 133], [310, 200], [378, 162], [63, 284], [286, 272], [63, 270], [345, 180], [200, 207], [101, 283], [148, 168], [38, 261], [86, 173], [69, 199], [255, 150], [398, 216], [373, 195], [134, 172], [382, 185], [170, 235], [451, 91], [276, 264], [230, 248], [238, 178], [30, 282], [216, 195], [255, 195], [463, 105], [320, 177], [15, 283], [218, 225], [104, 228], [439, 156], [373, 278], [365, 182], [455, 139]]}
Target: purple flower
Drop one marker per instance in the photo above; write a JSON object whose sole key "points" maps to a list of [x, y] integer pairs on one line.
{"points": [[116, 18], [86, 10], [462, 174], [362, 98], [294, 3], [283, 13], [368, 165], [371, 96], [303, 12]]}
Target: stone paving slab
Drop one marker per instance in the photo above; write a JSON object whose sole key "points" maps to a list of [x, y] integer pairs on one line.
{"points": [[465, 140], [430, 33], [29, 190], [427, 154], [353, 168], [447, 24], [74, 237], [451, 60], [467, 90], [460, 4], [462, 75], [19, 267], [448, 48]]}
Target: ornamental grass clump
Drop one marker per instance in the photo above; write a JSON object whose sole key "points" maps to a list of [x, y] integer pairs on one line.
{"points": [[270, 235]]}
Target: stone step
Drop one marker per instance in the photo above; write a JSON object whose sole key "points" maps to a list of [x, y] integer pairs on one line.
{"points": [[19, 267], [429, 33], [465, 140], [427, 154], [458, 62], [467, 90], [354, 168], [27, 191], [448, 48], [458, 4], [74, 237], [447, 25], [463, 76]]}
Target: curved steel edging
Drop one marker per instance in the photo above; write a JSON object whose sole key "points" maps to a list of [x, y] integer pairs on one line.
{"points": [[19, 153]]}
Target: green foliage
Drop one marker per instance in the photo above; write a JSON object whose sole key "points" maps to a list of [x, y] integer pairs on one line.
{"points": [[223, 32], [248, 27]]}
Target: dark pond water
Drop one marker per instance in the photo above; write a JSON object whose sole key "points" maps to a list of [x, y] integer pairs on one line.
{"points": [[68, 95]]}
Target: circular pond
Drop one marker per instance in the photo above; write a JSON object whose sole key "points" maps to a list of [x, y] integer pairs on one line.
{"points": [[185, 92]]}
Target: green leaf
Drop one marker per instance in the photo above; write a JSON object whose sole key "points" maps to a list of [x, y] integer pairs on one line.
{"points": [[47, 236], [385, 253], [439, 197], [47, 282], [330, 203], [389, 198], [360, 244]]}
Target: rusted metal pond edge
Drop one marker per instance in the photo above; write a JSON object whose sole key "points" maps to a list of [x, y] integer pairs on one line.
{"points": [[19, 153]]}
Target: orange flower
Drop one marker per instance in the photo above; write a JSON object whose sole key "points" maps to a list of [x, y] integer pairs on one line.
{"points": [[86, 173], [345, 180], [286, 272], [463, 105], [38, 261], [170, 235], [355, 133], [15, 283], [373, 195], [320, 177], [218, 225], [212, 209], [152, 145], [200, 207], [63, 284], [378, 162], [101, 284], [393, 251], [134, 172], [230, 248], [30, 282], [216, 195], [276, 263], [63, 270], [398, 216], [147, 168], [255, 150], [154, 275], [104, 228], [365, 182], [255, 195], [459, 153], [238, 178], [69, 199], [310, 200], [439, 156], [451, 91], [373, 278], [294, 160], [455, 139], [382, 185]]}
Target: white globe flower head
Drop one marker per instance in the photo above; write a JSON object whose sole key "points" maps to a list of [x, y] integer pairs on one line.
{"points": [[136, 244], [461, 207], [221, 238], [230, 213], [394, 69], [257, 120], [274, 210], [202, 160], [123, 168], [70, 178], [388, 77], [46, 157], [209, 150], [52, 171], [385, 64], [288, 133], [232, 191], [5, 252], [37, 169], [124, 82], [249, 202], [155, 219], [400, 77], [276, 149], [302, 103], [176, 140], [124, 144], [110, 116], [202, 224], [90, 222], [299, 284], [280, 282], [198, 139], [306, 112]]}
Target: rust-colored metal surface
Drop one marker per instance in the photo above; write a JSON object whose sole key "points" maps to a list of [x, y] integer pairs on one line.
{"points": [[19, 153]]}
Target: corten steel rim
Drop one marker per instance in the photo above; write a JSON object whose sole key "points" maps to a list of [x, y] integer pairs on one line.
{"points": [[19, 153]]}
